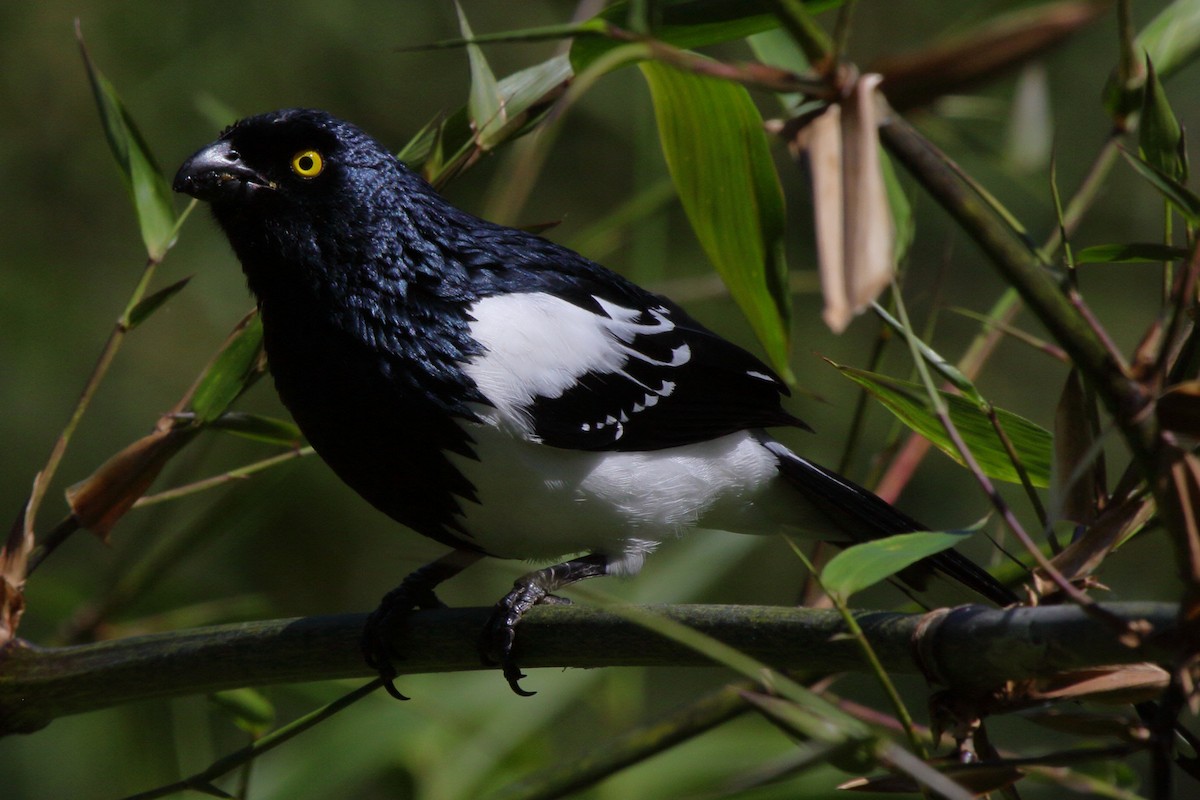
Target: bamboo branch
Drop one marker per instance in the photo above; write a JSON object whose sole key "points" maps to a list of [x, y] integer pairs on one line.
{"points": [[971, 648], [1044, 296]]}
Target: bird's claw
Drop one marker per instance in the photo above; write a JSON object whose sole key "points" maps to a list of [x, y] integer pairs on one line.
{"points": [[382, 624], [387, 674], [500, 634]]}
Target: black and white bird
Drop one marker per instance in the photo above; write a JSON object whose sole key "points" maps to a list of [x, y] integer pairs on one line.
{"points": [[496, 391]]}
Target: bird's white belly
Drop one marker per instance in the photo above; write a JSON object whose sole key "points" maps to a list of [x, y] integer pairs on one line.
{"points": [[538, 502]]}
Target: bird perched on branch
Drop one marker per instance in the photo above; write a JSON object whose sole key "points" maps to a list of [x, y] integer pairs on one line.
{"points": [[498, 392]]}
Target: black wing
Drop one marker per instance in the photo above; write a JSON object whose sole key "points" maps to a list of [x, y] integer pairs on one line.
{"points": [[679, 383], [670, 380]]}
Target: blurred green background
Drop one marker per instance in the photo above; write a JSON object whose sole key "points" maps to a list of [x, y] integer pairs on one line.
{"points": [[295, 541]]}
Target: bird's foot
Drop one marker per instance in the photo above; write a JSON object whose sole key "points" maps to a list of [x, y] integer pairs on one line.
{"points": [[414, 593], [500, 634], [384, 622]]}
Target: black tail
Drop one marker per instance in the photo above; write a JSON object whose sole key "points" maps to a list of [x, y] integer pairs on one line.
{"points": [[862, 516]]}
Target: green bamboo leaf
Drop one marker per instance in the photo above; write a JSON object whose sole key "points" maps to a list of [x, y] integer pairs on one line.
{"points": [[259, 428], [933, 358], [151, 194], [690, 24], [775, 47], [1129, 253], [908, 402], [529, 93], [717, 153], [424, 144], [485, 104], [866, 564], [540, 33], [526, 95], [1179, 196], [1172, 39], [249, 708], [143, 309], [233, 370], [1160, 138]]}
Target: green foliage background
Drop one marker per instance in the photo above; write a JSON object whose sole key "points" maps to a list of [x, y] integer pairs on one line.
{"points": [[295, 541]]}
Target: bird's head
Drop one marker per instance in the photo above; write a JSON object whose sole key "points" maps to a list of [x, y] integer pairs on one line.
{"points": [[304, 196], [284, 158]]}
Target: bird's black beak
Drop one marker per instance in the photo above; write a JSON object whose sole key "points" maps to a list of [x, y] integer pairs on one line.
{"points": [[218, 173]]}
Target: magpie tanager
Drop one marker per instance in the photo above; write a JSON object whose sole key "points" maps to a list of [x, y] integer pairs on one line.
{"points": [[498, 392]]}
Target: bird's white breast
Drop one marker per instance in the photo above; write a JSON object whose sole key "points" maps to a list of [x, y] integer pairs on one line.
{"points": [[539, 502]]}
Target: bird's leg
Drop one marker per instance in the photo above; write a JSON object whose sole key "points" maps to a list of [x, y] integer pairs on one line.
{"points": [[415, 592], [528, 591]]}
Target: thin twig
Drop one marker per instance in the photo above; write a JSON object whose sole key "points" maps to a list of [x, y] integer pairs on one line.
{"points": [[1015, 459], [240, 473], [998, 502], [841, 28], [1101, 366], [202, 781], [631, 747], [873, 662]]}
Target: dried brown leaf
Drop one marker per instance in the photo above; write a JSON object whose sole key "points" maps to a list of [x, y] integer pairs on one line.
{"points": [[1080, 723], [855, 231], [101, 499], [1081, 557], [1131, 683], [870, 235], [14, 558], [983, 54], [12, 607], [823, 139], [1189, 680], [1181, 513], [975, 778]]}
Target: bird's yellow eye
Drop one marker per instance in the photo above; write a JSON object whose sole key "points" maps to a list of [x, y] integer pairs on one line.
{"points": [[308, 163]]}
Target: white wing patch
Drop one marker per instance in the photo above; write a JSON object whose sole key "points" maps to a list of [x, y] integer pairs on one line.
{"points": [[538, 345]]}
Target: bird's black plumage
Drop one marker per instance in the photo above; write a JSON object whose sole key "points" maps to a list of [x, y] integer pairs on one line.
{"points": [[364, 277], [439, 362]]}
